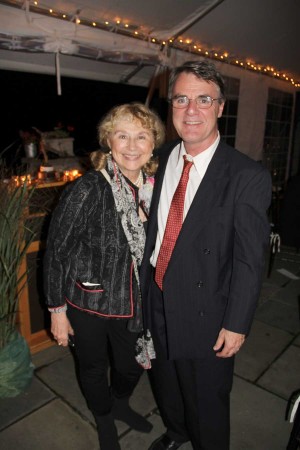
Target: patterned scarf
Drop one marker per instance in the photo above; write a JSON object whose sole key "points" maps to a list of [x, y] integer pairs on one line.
{"points": [[135, 234], [126, 206], [133, 228]]}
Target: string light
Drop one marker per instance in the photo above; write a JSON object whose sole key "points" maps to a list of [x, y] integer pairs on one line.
{"points": [[175, 43]]}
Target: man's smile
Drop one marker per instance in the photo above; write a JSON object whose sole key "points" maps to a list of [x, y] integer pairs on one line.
{"points": [[193, 122]]}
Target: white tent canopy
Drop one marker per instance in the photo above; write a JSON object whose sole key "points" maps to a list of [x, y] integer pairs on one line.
{"points": [[124, 41]]}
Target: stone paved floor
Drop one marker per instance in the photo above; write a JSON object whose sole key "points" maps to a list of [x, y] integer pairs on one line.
{"points": [[52, 414]]}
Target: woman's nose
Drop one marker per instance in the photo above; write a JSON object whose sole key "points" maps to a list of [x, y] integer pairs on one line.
{"points": [[132, 143]]}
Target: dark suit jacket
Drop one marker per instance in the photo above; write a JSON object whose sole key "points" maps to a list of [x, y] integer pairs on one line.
{"points": [[214, 276]]}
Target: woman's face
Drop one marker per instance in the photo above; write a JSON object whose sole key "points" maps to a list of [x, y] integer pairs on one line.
{"points": [[131, 147]]}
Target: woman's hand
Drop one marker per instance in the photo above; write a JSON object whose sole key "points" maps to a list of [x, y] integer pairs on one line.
{"points": [[61, 328]]}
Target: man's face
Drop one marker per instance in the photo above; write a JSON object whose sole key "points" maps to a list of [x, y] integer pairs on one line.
{"points": [[197, 127]]}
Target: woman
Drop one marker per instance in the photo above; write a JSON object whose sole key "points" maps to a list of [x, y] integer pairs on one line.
{"points": [[94, 249]]}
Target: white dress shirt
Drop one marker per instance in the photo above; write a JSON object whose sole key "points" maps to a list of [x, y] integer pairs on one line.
{"points": [[171, 179]]}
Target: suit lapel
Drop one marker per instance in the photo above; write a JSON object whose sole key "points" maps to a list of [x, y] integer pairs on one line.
{"points": [[207, 197]]}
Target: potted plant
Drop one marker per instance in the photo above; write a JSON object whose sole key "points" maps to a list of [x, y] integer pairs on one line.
{"points": [[30, 140], [16, 369]]}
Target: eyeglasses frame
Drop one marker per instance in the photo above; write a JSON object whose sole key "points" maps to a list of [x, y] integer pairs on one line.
{"points": [[190, 99]]}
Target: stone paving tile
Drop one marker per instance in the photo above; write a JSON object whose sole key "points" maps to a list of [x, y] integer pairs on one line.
{"points": [[141, 441], [280, 315], [14, 408], [53, 427], [257, 419], [289, 254], [287, 260], [286, 298], [257, 413], [49, 355], [268, 290], [262, 346], [297, 341], [257, 422], [291, 289], [142, 400], [283, 376], [61, 376], [277, 278]]}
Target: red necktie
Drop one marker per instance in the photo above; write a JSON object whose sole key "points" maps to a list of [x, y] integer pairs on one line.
{"points": [[174, 223]]}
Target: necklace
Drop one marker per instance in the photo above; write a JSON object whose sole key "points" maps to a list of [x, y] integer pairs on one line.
{"points": [[139, 181]]}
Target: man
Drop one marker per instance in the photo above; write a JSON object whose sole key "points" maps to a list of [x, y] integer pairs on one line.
{"points": [[199, 298]]}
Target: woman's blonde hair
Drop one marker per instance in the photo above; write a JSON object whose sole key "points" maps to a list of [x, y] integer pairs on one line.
{"points": [[133, 112]]}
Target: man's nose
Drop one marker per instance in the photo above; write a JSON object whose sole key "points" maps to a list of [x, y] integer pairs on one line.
{"points": [[192, 106]]}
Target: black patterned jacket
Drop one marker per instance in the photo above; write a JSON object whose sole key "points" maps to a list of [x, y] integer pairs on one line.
{"points": [[86, 244]]}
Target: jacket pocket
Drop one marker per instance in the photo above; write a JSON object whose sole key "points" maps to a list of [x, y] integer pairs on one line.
{"points": [[92, 288]]}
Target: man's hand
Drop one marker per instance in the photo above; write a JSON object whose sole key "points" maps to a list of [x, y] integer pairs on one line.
{"points": [[61, 328], [228, 343]]}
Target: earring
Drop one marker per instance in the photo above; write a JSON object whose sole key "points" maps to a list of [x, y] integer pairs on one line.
{"points": [[109, 152]]}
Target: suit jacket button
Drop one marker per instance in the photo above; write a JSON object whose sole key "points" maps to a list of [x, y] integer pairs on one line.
{"points": [[200, 284], [206, 251], [201, 313]]}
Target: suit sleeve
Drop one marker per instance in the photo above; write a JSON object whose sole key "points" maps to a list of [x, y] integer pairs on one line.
{"points": [[251, 237]]}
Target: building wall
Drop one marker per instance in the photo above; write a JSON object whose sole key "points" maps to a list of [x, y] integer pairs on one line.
{"points": [[253, 100]]}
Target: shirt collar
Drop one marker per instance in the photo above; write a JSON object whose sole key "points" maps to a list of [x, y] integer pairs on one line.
{"points": [[199, 159]]}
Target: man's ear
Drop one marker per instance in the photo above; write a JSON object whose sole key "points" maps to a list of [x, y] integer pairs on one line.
{"points": [[221, 108]]}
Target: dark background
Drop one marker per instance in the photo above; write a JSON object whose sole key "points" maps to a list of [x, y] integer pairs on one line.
{"points": [[31, 100]]}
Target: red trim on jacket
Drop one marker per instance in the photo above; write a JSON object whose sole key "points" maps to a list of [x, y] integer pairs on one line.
{"points": [[91, 291], [109, 315]]}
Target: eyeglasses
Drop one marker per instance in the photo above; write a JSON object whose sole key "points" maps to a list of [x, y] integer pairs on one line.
{"points": [[202, 101]]}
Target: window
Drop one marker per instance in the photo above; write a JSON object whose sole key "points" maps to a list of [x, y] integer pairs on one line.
{"points": [[277, 134], [227, 123]]}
